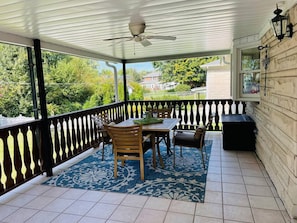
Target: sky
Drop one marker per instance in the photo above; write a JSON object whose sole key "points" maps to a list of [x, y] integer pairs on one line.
{"points": [[145, 66]]}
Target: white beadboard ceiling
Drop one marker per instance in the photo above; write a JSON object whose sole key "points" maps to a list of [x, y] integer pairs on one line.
{"points": [[201, 27]]}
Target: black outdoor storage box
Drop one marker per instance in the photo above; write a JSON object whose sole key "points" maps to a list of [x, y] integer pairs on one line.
{"points": [[238, 132]]}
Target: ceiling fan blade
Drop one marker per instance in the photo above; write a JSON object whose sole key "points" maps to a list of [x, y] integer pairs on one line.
{"points": [[117, 42], [119, 38], [145, 42], [162, 37]]}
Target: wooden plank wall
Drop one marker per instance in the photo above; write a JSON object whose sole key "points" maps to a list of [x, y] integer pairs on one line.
{"points": [[276, 115]]}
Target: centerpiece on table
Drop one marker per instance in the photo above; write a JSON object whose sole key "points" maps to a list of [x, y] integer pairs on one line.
{"points": [[148, 118]]}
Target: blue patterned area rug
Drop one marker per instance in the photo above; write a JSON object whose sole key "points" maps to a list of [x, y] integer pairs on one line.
{"points": [[185, 182]]}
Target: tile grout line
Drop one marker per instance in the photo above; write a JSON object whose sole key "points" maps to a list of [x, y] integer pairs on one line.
{"points": [[240, 166], [221, 164]]}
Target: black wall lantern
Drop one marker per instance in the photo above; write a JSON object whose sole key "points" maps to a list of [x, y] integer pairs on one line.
{"points": [[280, 25]]}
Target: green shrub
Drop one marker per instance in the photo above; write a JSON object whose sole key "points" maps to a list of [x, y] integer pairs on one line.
{"points": [[182, 87]]}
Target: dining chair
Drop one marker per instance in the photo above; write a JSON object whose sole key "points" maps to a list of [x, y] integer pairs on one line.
{"points": [[100, 120], [165, 136], [128, 144], [190, 138]]}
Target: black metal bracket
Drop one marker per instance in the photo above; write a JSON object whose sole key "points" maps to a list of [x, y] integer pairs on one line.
{"points": [[265, 63]]}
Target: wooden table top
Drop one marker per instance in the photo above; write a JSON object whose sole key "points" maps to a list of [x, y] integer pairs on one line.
{"points": [[166, 126]]}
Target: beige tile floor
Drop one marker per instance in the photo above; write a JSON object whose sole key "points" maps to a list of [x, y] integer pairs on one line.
{"points": [[238, 190]]}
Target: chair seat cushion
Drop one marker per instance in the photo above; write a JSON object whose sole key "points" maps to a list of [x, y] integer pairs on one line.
{"points": [[185, 138]]}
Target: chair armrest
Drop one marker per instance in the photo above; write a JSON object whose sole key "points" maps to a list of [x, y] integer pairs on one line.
{"points": [[196, 132], [185, 130]]}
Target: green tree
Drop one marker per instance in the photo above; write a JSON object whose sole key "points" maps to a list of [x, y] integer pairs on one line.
{"points": [[69, 85], [184, 71], [51, 59], [166, 68], [134, 75], [182, 87], [137, 91], [15, 89]]}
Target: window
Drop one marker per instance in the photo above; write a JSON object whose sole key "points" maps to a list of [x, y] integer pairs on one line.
{"points": [[246, 73], [250, 72]]}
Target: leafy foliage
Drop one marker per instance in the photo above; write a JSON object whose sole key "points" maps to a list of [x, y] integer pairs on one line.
{"points": [[71, 83], [182, 87], [15, 89], [137, 91], [186, 71]]}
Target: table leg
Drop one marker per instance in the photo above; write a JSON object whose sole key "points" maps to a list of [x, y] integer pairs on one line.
{"points": [[153, 140], [168, 144], [160, 158], [154, 149]]}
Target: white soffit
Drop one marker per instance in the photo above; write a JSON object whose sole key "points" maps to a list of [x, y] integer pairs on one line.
{"points": [[204, 27]]}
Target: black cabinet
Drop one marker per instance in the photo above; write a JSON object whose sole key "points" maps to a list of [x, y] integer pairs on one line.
{"points": [[238, 132]]}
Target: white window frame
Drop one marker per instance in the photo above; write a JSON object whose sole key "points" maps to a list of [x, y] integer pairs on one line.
{"points": [[237, 77]]}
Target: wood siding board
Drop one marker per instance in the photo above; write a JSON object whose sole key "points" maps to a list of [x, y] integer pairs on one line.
{"points": [[276, 116]]}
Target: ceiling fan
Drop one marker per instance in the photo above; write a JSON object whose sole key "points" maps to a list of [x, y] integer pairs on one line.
{"points": [[137, 32]]}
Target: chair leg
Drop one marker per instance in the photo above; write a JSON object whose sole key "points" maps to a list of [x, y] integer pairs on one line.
{"points": [[103, 150], [157, 143], [181, 151], [158, 146], [159, 155], [173, 155], [202, 157], [167, 141], [141, 162], [115, 167], [205, 152]]}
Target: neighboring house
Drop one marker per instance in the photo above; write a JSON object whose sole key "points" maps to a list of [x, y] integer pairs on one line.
{"points": [[152, 81], [169, 85], [218, 78]]}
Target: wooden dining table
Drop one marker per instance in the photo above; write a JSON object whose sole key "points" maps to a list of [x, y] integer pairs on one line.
{"points": [[166, 126]]}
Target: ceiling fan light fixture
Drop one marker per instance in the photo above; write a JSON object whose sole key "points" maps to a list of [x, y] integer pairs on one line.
{"points": [[138, 38], [136, 29]]}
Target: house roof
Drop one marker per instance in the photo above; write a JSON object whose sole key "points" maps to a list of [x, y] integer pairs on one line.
{"points": [[222, 61], [153, 74]]}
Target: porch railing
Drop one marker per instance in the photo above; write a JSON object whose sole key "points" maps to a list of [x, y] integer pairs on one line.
{"points": [[191, 112], [21, 147]]}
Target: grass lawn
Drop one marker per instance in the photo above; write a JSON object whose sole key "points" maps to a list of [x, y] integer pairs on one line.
{"points": [[165, 95]]}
